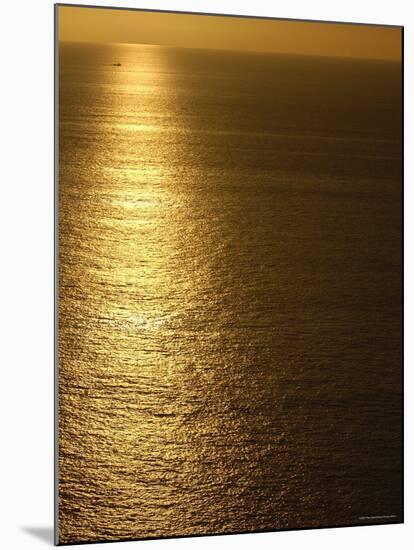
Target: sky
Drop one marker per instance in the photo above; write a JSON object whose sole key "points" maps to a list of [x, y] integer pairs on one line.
{"points": [[84, 24]]}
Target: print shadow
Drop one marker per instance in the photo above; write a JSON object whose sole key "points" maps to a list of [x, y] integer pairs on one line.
{"points": [[44, 534]]}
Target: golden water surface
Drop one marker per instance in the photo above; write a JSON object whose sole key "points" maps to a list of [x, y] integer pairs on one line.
{"points": [[229, 292]]}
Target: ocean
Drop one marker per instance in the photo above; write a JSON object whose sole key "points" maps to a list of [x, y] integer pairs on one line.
{"points": [[229, 286]]}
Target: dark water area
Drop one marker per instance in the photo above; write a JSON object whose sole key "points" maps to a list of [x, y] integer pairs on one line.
{"points": [[230, 312]]}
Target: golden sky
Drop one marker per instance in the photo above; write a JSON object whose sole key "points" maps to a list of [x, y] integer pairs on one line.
{"points": [[86, 24]]}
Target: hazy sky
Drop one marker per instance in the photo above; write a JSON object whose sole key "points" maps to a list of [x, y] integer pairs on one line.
{"points": [[233, 33]]}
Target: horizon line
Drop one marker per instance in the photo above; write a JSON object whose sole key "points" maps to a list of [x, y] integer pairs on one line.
{"points": [[264, 52]]}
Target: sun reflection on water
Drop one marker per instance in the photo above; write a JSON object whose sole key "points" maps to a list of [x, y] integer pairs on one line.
{"points": [[196, 277]]}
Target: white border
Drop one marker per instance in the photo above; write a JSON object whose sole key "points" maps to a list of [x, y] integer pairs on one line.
{"points": [[26, 289]]}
